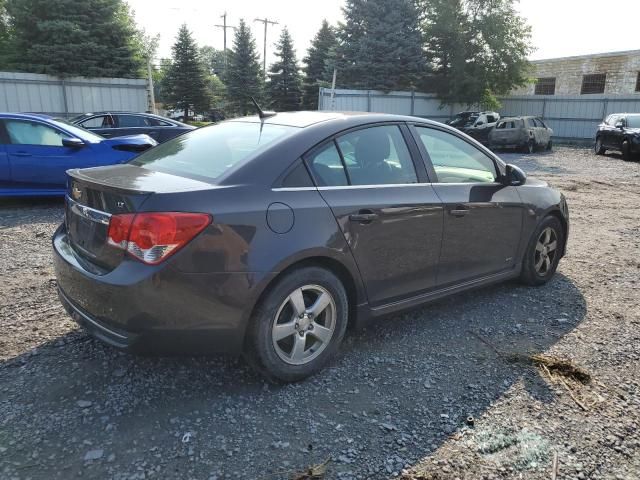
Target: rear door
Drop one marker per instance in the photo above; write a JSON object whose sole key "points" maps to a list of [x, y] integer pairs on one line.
{"points": [[37, 157], [483, 218], [5, 170], [388, 212], [130, 124]]}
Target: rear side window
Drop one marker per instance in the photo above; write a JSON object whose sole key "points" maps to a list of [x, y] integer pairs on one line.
{"points": [[327, 167], [127, 121], [377, 156], [156, 122], [102, 121], [209, 152]]}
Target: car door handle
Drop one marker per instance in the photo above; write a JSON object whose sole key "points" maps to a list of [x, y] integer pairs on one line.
{"points": [[363, 216], [22, 154], [459, 211]]}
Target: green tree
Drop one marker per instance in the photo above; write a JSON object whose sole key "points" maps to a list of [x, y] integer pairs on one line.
{"points": [[244, 75], [5, 36], [90, 38], [213, 60], [316, 62], [285, 84], [380, 45], [185, 84], [478, 49]]}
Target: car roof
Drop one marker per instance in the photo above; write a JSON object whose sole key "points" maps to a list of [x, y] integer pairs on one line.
{"points": [[306, 119], [26, 116]]}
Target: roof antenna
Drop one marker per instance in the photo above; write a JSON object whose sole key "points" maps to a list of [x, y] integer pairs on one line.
{"points": [[261, 113]]}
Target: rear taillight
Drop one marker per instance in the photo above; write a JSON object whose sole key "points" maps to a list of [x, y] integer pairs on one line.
{"points": [[152, 237]]}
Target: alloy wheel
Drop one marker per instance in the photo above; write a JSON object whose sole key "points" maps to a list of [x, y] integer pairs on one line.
{"points": [[304, 324], [546, 251]]}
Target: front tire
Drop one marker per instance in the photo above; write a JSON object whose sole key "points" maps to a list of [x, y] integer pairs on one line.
{"points": [[598, 148], [298, 326], [529, 147], [543, 252]]}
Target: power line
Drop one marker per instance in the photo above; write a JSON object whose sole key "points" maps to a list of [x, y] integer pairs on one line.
{"points": [[266, 22], [224, 27]]}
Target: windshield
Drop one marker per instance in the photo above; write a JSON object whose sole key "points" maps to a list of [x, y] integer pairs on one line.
{"points": [[211, 151], [79, 132], [633, 121]]}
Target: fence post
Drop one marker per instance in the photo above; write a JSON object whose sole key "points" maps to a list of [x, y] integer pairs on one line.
{"points": [[64, 97], [605, 104], [413, 101], [544, 107], [368, 100]]}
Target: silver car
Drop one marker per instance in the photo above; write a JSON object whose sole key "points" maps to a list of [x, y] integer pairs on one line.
{"points": [[527, 134]]}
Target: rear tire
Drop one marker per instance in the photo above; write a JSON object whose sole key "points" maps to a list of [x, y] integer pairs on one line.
{"points": [[549, 146], [598, 148], [287, 339], [543, 252]]}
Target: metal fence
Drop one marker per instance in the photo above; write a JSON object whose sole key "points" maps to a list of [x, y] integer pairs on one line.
{"points": [[31, 92], [572, 117]]}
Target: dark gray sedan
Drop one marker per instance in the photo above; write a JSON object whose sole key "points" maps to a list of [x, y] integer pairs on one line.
{"points": [[118, 124], [270, 236]]}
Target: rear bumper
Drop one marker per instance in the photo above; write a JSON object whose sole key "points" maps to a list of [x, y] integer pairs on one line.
{"points": [[155, 309]]}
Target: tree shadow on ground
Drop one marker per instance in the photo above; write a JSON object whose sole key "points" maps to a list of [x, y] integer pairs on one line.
{"points": [[397, 390]]}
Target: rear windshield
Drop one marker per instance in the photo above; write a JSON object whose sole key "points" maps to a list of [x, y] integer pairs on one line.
{"points": [[209, 152]]}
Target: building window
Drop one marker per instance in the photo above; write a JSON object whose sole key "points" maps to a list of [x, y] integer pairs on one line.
{"points": [[593, 83], [638, 83], [546, 86]]}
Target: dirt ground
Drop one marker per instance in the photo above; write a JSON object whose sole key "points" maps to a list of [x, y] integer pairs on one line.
{"points": [[443, 392]]}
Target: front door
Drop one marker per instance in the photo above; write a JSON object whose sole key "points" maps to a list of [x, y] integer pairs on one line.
{"points": [[36, 155], [482, 219], [390, 217]]}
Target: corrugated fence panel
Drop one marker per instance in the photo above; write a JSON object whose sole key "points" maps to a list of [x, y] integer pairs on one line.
{"points": [[30, 92], [570, 116]]}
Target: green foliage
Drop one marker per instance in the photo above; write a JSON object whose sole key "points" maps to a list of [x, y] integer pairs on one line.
{"points": [[212, 60], [285, 84], [244, 76], [92, 38], [185, 83], [380, 45], [315, 69], [478, 49]]}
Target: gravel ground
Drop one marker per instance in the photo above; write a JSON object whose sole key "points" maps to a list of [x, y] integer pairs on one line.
{"points": [[395, 403]]}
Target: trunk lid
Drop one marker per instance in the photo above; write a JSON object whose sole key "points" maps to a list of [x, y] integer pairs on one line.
{"points": [[94, 195]]}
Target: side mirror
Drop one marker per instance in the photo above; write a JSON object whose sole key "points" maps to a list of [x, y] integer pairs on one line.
{"points": [[72, 142], [620, 125], [479, 123], [514, 176]]}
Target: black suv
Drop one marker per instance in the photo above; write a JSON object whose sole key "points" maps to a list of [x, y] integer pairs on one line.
{"points": [[620, 131]]}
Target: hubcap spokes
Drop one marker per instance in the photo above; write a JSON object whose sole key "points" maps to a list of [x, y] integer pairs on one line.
{"points": [[304, 324], [546, 250]]}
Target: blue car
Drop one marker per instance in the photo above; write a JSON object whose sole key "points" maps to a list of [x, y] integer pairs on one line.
{"points": [[36, 151]]}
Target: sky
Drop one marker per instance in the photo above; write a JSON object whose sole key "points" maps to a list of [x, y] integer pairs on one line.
{"points": [[559, 27]]}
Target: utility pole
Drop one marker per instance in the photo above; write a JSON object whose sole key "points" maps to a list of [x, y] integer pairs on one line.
{"points": [[266, 22], [224, 27], [152, 95]]}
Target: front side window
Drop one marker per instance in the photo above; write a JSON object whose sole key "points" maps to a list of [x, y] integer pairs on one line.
{"points": [[23, 132], [209, 152], [454, 160], [101, 121], [633, 121], [377, 156]]}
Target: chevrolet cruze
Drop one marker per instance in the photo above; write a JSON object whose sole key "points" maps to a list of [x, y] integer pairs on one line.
{"points": [[270, 235]]}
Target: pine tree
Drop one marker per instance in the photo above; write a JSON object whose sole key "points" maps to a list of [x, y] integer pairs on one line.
{"points": [[316, 62], [186, 83], [380, 45], [244, 75], [478, 49], [285, 85], [92, 38]]}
